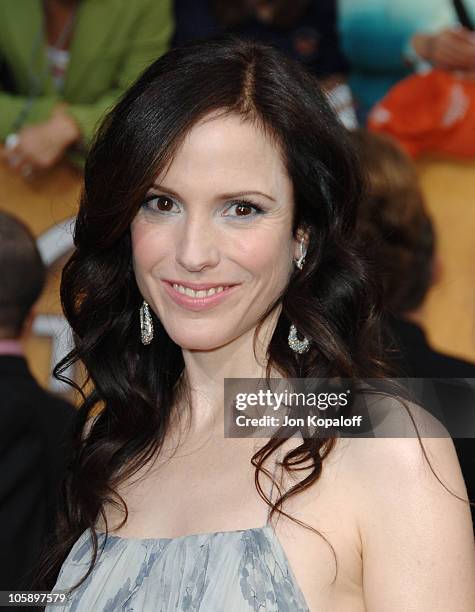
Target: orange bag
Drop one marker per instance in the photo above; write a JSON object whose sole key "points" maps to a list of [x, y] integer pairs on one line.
{"points": [[429, 112]]}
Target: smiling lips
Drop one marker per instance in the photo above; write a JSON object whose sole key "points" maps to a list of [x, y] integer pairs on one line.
{"points": [[195, 296]]}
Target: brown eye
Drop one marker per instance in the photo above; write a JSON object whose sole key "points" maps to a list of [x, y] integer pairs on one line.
{"points": [[243, 210], [156, 203], [164, 203]]}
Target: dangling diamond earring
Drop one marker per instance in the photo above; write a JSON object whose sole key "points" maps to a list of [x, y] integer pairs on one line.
{"points": [[146, 324], [301, 260], [299, 346]]}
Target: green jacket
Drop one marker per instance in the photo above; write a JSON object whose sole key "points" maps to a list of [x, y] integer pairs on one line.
{"points": [[113, 41]]}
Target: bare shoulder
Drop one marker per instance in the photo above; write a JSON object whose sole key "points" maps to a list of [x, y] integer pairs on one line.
{"points": [[411, 451], [406, 504], [401, 464], [396, 417], [407, 438]]}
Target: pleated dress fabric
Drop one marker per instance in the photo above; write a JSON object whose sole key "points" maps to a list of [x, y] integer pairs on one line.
{"points": [[223, 571]]}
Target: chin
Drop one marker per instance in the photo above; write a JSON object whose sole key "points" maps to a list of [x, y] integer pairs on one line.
{"points": [[201, 341]]}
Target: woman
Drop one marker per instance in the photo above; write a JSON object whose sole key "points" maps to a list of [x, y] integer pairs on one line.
{"points": [[62, 64], [224, 167]]}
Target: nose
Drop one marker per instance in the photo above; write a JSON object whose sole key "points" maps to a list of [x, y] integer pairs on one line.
{"points": [[197, 244]]}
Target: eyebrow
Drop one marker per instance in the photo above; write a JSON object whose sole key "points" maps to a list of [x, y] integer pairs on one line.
{"points": [[224, 196]]}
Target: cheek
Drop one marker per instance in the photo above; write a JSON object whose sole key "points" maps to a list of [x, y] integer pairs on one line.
{"points": [[148, 247], [267, 254]]}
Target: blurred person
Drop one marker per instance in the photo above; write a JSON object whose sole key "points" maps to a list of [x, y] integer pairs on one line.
{"points": [[395, 225], [395, 220], [386, 40], [305, 30], [216, 239], [35, 426], [63, 63], [451, 48]]}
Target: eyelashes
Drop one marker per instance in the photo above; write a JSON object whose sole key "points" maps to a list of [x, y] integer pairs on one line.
{"points": [[147, 204], [152, 203], [240, 204]]}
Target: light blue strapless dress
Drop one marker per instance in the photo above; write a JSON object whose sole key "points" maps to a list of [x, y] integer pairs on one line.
{"points": [[224, 571]]}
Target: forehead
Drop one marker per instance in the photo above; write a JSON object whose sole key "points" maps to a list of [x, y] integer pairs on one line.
{"points": [[227, 150]]}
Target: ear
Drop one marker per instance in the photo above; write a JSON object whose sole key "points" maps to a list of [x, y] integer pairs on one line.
{"points": [[301, 235]]}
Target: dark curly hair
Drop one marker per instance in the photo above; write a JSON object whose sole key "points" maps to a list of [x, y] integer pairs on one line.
{"points": [[332, 301]]}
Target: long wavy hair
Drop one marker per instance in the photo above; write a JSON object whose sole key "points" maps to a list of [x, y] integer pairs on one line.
{"points": [[333, 301]]}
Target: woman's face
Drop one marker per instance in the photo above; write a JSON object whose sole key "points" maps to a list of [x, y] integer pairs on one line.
{"points": [[219, 217]]}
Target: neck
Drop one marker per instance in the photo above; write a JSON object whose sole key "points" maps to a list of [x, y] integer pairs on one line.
{"points": [[205, 372]]}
